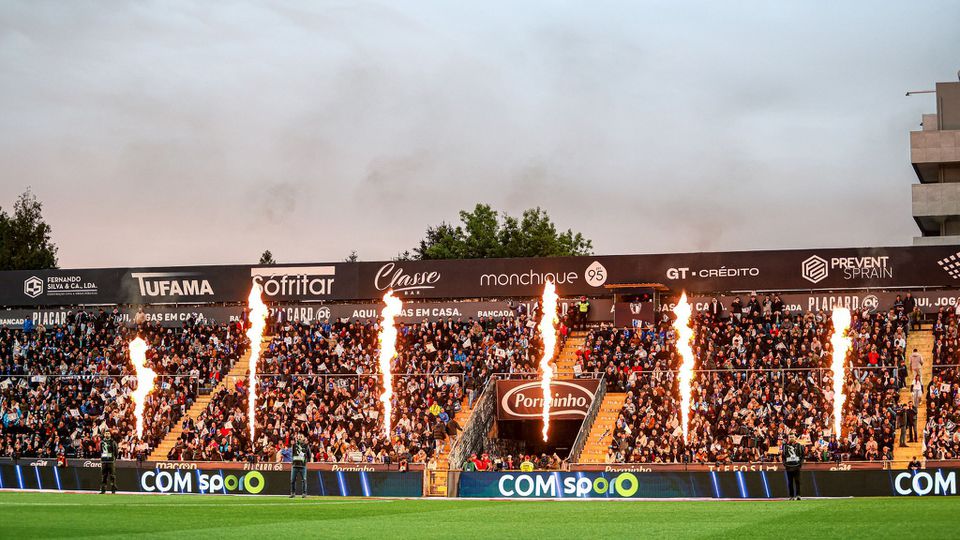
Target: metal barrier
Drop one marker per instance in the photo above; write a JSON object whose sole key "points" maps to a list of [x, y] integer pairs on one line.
{"points": [[587, 425], [475, 432]]}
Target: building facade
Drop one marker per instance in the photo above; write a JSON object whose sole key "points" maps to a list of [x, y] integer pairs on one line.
{"points": [[935, 154]]}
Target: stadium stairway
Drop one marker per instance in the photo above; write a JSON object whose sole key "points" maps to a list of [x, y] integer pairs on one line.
{"points": [[922, 340], [437, 480], [568, 355], [595, 451], [237, 371]]}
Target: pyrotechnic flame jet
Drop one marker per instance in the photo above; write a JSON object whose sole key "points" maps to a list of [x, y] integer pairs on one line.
{"points": [[258, 322], [388, 350], [684, 313], [548, 333], [841, 344], [145, 378]]}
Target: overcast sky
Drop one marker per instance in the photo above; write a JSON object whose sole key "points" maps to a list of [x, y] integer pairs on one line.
{"points": [[205, 132]]}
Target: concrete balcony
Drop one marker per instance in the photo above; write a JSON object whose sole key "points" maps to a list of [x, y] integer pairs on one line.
{"points": [[930, 149]]}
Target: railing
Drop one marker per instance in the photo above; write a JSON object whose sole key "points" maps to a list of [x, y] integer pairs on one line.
{"points": [[475, 432], [587, 425]]}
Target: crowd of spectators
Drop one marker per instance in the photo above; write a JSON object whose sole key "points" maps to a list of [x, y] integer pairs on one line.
{"points": [[321, 379], [760, 373], [942, 435], [63, 385]]}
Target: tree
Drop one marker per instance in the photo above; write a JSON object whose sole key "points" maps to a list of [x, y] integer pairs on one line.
{"points": [[267, 258], [25, 242], [485, 233], [353, 257]]}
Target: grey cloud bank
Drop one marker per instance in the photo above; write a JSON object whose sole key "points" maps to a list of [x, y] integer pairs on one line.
{"points": [[189, 132]]}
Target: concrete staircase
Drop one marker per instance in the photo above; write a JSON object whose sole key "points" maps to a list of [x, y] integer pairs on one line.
{"points": [[922, 340], [437, 480], [595, 451], [568, 355], [237, 371]]}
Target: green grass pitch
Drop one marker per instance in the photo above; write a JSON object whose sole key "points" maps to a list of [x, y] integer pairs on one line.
{"points": [[35, 515]]}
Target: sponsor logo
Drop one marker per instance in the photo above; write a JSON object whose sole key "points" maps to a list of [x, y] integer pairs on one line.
{"points": [[826, 303], [526, 400], [39, 463], [175, 465], [595, 275], [841, 467], [627, 468], [263, 466], [300, 281], [705, 273], [183, 482], [922, 483], [951, 265], [742, 468], [392, 276], [550, 485], [88, 464], [60, 285], [154, 284], [531, 277], [33, 286], [353, 468], [814, 269]]}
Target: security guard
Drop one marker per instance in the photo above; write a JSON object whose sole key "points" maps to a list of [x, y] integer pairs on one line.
{"points": [[792, 457], [108, 456], [300, 455]]}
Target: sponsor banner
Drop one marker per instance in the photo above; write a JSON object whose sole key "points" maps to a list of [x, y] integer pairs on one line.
{"points": [[523, 400], [716, 485], [729, 467], [166, 316], [632, 314], [797, 270], [928, 301], [413, 312], [825, 269], [210, 480], [305, 282]]}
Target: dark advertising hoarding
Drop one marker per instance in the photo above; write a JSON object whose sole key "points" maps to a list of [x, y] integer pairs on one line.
{"points": [[175, 316], [523, 400], [210, 480], [799, 270], [715, 485]]}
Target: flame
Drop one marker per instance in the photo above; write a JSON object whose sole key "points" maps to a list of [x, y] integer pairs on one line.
{"points": [[258, 322], [388, 350], [684, 313], [548, 333], [145, 378], [841, 344]]}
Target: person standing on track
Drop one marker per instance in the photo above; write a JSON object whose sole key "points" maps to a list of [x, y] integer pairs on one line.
{"points": [[108, 456], [792, 458], [300, 455]]}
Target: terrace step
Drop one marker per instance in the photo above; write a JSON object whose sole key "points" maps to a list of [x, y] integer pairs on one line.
{"points": [[923, 341], [595, 450]]}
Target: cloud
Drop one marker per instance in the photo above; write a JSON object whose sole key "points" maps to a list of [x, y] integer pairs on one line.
{"points": [[191, 132]]}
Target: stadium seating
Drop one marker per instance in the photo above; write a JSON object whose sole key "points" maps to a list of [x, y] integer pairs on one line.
{"points": [[321, 379], [758, 374], [61, 386]]}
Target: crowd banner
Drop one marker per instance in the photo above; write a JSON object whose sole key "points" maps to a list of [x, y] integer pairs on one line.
{"points": [[715, 485], [209, 479], [523, 400], [785, 270]]}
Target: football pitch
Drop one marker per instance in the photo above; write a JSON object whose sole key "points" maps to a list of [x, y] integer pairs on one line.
{"points": [[35, 515]]}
